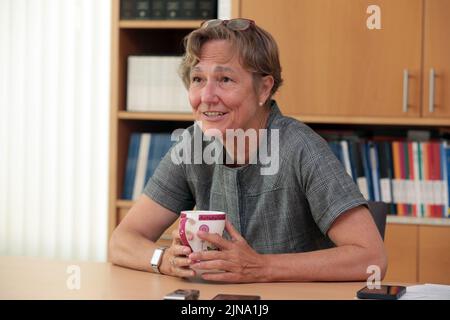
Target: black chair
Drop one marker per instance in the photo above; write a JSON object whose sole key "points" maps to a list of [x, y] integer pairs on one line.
{"points": [[379, 211]]}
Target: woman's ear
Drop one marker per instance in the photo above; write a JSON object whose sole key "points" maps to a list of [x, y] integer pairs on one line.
{"points": [[265, 88]]}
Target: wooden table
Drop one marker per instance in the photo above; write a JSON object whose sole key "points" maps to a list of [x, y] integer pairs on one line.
{"points": [[38, 278]]}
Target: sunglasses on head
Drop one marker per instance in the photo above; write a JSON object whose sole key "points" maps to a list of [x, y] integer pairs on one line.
{"points": [[239, 24]]}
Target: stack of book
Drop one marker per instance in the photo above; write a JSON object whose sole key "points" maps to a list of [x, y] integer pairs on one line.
{"points": [[153, 85], [168, 9], [145, 151], [413, 177]]}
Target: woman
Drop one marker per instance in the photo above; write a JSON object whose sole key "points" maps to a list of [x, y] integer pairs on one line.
{"points": [[306, 221]]}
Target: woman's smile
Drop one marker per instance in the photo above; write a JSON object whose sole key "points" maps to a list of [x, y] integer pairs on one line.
{"points": [[213, 116]]}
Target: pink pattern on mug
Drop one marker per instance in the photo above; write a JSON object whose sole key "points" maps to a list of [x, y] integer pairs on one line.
{"points": [[193, 221], [182, 232]]}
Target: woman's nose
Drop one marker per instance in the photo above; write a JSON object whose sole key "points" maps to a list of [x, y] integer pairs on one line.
{"points": [[209, 93]]}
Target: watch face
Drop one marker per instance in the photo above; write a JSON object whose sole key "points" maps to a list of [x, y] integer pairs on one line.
{"points": [[156, 258]]}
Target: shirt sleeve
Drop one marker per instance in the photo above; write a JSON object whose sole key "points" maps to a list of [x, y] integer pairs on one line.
{"points": [[168, 186], [329, 190]]}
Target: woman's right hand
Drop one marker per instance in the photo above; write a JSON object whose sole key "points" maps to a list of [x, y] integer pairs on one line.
{"points": [[175, 259]]}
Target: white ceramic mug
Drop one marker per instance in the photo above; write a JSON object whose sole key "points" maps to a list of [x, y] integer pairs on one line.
{"points": [[193, 221]]}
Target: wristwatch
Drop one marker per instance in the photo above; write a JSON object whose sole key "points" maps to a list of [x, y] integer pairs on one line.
{"points": [[157, 259]]}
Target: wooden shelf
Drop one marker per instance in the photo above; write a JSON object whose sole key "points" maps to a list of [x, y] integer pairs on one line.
{"points": [[159, 24], [405, 121], [420, 221], [125, 115], [123, 204], [306, 119]]}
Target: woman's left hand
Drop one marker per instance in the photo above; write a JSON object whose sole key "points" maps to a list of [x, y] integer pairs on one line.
{"points": [[236, 258]]}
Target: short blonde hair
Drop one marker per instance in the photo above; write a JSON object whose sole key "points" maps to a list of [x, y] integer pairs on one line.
{"points": [[257, 49]]}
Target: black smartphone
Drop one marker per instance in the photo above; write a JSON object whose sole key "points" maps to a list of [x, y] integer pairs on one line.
{"points": [[236, 297], [385, 292]]}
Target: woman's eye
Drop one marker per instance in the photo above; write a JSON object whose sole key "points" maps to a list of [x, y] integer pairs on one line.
{"points": [[196, 79], [226, 79]]}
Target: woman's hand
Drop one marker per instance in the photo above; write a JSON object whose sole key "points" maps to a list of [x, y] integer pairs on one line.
{"points": [[236, 258], [175, 259]]}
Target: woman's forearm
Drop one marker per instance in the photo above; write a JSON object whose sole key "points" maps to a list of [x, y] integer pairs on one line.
{"points": [[131, 250], [344, 263]]}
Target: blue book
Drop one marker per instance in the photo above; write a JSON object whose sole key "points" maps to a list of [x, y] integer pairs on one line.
{"points": [[335, 146], [390, 169], [357, 163], [130, 170], [447, 162], [160, 144], [374, 169], [386, 173], [367, 171], [353, 153]]}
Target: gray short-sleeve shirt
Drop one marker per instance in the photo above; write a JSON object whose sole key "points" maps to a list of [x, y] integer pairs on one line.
{"points": [[286, 212]]}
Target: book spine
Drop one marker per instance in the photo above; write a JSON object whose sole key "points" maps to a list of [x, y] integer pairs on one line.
{"points": [[421, 179], [141, 165], [156, 153], [189, 10], [173, 9], [447, 153], [335, 147], [417, 193], [207, 9], [361, 180], [159, 147], [367, 171], [437, 186], [397, 177], [390, 162], [127, 9], [405, 177], [352, 153], [444, 191], [426, 177], [385, 174], [130, 170], [375, 171], [411, 181], [142, 9], [432, 168], [154, 140], [346, 157], [158, 9]]}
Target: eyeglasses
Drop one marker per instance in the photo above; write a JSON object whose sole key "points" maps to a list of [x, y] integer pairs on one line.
{"points": [[239, 24]]}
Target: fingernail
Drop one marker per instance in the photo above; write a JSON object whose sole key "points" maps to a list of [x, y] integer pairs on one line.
{"points": [[186, 251], [201, 233]]}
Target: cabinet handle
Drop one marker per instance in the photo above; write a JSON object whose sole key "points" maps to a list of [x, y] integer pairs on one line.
{"points": [[405, 90], [431, 93]]}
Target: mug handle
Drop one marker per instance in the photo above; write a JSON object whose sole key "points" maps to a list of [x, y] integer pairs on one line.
{"points": [[182, 232]]}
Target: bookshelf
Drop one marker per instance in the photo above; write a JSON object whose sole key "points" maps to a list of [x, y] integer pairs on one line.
{"points": [[339, 107], [136, 37], [159, 24]]}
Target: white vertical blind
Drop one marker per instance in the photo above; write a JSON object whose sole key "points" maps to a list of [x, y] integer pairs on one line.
{"points": [[54, 111]]}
